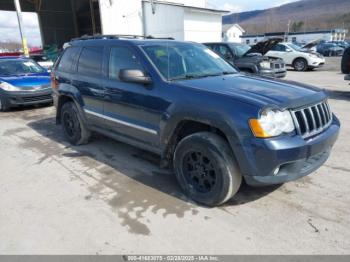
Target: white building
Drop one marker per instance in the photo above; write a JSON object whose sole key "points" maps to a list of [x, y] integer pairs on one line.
{"points": [[187, 20], [299, 37], [232, 33]]}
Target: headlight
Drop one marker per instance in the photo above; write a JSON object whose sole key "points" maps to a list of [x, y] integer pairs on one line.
{"points": [[313, 56], [265, 65], [8, 87], [272, 123]]}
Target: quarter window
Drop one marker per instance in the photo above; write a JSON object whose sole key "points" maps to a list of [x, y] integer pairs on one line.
{"points": [[122, 57], [90, 61], [68, 59]]}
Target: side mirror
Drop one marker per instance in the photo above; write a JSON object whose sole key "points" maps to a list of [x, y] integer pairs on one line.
{"points": [[134, 76], [289, 50]]}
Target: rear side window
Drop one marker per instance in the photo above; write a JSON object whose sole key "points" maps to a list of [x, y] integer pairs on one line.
{"points": [[68, 59], [280, 48], [90, 61], [122, 57]]}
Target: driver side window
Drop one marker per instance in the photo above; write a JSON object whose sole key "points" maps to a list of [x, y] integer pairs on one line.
{"points": [[122, 57], [225, 52]]}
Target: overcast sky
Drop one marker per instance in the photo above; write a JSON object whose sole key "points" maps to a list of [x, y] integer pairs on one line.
{"points": [[9, 25]]}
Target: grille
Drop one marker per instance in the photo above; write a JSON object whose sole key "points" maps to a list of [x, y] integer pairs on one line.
{"points": [[36, 98], [278, 66], [312, 120]]}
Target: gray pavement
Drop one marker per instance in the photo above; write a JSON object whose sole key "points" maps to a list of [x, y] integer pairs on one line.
{"points": [[110, 198]]}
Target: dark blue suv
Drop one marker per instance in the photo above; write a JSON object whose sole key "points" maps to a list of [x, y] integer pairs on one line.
{"points": [[211, 124]]}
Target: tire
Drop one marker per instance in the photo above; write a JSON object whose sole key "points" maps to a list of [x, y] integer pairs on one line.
{"points": [[345, 62], [215, 176], [73, 126], [3, 105], [300, 64]]}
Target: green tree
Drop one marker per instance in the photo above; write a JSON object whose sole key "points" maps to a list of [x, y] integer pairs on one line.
{"points": [[297, 26]]}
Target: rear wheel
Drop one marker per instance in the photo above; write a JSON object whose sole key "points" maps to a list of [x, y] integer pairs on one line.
{"points": [[72, 125], [300, 64], [206, 169]]}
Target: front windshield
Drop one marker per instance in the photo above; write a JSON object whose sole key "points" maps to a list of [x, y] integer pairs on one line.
{"points": [[295, 47], [240, 50], [186, 60], [19, 67]]}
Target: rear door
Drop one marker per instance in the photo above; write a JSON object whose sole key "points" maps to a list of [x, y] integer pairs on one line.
{"points": [[88, 81]]}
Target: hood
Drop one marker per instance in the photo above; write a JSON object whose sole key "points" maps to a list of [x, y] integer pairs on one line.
{"points": [[29, 80], [311, 44], [264, 47], [258, 91]]}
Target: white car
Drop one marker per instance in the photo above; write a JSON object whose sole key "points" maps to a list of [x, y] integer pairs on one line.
{"points": [[296, 57], [43, 61]]}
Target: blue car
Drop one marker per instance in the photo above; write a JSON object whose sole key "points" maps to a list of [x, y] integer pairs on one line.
{"points": [[210, 124], [23, 82]]}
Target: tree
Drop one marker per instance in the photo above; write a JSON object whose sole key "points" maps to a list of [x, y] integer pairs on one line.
{"points": [[297, 26]]}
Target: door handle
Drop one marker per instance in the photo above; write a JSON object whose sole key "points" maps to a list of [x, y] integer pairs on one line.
{"points": [[98, 92]]}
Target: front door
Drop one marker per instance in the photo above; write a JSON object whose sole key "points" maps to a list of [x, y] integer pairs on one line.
{"points": [[132, 110]]}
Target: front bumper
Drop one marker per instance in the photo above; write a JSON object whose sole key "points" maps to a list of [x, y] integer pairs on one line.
{"points": [[294, 156], [273, 73], [316, 62], [19, 98]]}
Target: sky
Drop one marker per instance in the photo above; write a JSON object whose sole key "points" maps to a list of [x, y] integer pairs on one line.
{"points": [[9, 25], [246, 5]]}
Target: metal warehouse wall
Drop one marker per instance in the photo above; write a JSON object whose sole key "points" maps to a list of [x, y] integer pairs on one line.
{"points": [[61, 20]]}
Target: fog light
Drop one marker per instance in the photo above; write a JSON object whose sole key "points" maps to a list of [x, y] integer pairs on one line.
{"points": [[276, 171]]}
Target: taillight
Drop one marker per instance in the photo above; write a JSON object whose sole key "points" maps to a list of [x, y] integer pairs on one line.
{"points": [[54, 82]]}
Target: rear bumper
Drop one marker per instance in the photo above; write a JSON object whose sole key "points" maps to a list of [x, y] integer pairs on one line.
{"points": [[292, 156], [13, 99]]}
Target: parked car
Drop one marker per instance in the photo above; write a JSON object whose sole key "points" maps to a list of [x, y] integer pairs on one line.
{"points": [[329, 49], [342, 44], [42, 60], [180, 100], [23, 82], [251, 59], [296, 57], [345, 62]]}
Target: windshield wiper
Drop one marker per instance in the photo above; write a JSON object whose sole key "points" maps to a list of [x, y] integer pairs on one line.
{"points": [[193, 76]]}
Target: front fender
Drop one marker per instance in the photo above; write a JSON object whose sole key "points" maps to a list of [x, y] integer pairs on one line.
{"points": [[231, 119]]}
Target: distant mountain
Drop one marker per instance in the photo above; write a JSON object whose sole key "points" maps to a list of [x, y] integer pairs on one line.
{"points": [[301, 15]]}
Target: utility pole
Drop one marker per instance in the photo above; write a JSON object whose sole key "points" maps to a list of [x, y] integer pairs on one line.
{"points": [[20, 25]]}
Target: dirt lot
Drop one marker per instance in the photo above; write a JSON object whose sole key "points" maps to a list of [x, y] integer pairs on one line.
{"points": [[111, 198]]}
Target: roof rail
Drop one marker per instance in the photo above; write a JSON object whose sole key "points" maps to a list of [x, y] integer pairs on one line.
{"points": [[90, 37]]}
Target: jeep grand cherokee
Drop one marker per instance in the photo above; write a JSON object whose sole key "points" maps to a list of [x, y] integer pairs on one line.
{"points": [[182, 101]]}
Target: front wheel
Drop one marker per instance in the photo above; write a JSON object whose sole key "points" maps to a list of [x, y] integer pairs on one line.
{"points": [[206, 169], [300, 64], [73, 126], [3, 105]]}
